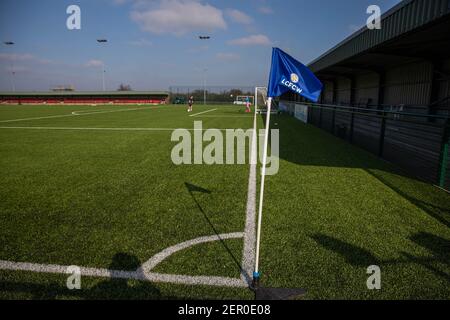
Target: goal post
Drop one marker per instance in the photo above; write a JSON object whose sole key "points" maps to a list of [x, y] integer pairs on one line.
{"points": [[260, 99], [261, 102]]}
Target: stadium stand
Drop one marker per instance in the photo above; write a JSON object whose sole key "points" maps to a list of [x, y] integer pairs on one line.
{"points": [[118, 97]]}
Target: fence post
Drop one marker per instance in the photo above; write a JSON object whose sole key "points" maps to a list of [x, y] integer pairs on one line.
{"points": [[382, 134], [352, 124], [444, 154], [320, 117], [333, 122]]}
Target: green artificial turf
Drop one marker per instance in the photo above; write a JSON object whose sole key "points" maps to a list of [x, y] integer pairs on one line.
{"points": [[113, 199]]}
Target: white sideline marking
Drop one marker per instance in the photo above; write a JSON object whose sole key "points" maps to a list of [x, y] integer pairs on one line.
{"points": [[143, 272], [75, 114], [89, 111], [197, 114], [248, 254], [120, 274], [38, 118], [223, 116], [83, 113], [105, 129]]}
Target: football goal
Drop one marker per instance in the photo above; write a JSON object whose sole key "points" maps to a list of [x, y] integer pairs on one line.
{"points": [[261, 101]]}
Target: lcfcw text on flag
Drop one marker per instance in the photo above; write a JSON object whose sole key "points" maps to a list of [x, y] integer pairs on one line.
{"points": [[289, 74]]}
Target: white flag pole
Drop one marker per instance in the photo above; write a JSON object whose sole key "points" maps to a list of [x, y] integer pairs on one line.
{"points": [[256, 274]]}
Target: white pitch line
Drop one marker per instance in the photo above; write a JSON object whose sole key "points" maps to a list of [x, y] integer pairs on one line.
{"points": [[144, 271], [120, 274], [158, 258], [106, 129], [223, 116], [73, 115], [82, 113], [248, 254], [38, 118], [197, 280], [197, 114]]}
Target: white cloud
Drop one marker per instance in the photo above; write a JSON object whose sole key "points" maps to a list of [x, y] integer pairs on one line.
{"points": [[265, 10], [198, 49], [239, 16], [226, 56], [141, 43], [179, 17], [16, 57], [254, 40], [94, 63], [25, 57]]}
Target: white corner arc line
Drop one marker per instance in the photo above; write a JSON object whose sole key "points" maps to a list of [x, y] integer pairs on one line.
{"points": [[197, 114], [160, 257]]}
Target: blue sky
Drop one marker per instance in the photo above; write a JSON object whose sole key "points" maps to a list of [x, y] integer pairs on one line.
{"points": [[153, 44]]}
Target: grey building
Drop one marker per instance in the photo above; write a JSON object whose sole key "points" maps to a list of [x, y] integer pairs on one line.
{"points": [[388, 90]]}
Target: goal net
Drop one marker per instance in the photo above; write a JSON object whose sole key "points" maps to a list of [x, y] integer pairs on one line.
{"points": [[261, 101], [242, 100]]}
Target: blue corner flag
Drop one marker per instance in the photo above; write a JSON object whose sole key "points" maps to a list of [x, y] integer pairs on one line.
{"points": [[289, 74]]}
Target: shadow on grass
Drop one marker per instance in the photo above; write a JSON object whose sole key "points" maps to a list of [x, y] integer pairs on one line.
{"points": [[310, 146], [110, 289], [438, 247], [352, 254], [191, 189], [121, 288], [439, 213]]}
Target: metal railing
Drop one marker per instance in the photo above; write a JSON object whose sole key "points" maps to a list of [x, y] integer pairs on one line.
{"points": [[419, 143]]}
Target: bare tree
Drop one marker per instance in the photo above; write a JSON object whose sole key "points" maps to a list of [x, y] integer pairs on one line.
{"points": [[124, 87]]}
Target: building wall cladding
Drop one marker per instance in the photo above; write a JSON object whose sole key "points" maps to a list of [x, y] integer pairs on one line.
{"points": [[328, 92], [366, 89], [444, 81], [343, 90], [409, 84]]}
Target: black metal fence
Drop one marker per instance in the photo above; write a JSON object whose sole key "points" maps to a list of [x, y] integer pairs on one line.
{"points": [[417, 143]]}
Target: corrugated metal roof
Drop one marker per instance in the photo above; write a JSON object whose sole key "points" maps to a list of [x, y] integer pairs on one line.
{"points": [[87, 93], [402, 18]]}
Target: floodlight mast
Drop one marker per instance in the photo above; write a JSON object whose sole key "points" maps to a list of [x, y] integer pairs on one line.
{"points": [[204, 85], [103, 41], [13, 85], [204, 72]]}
